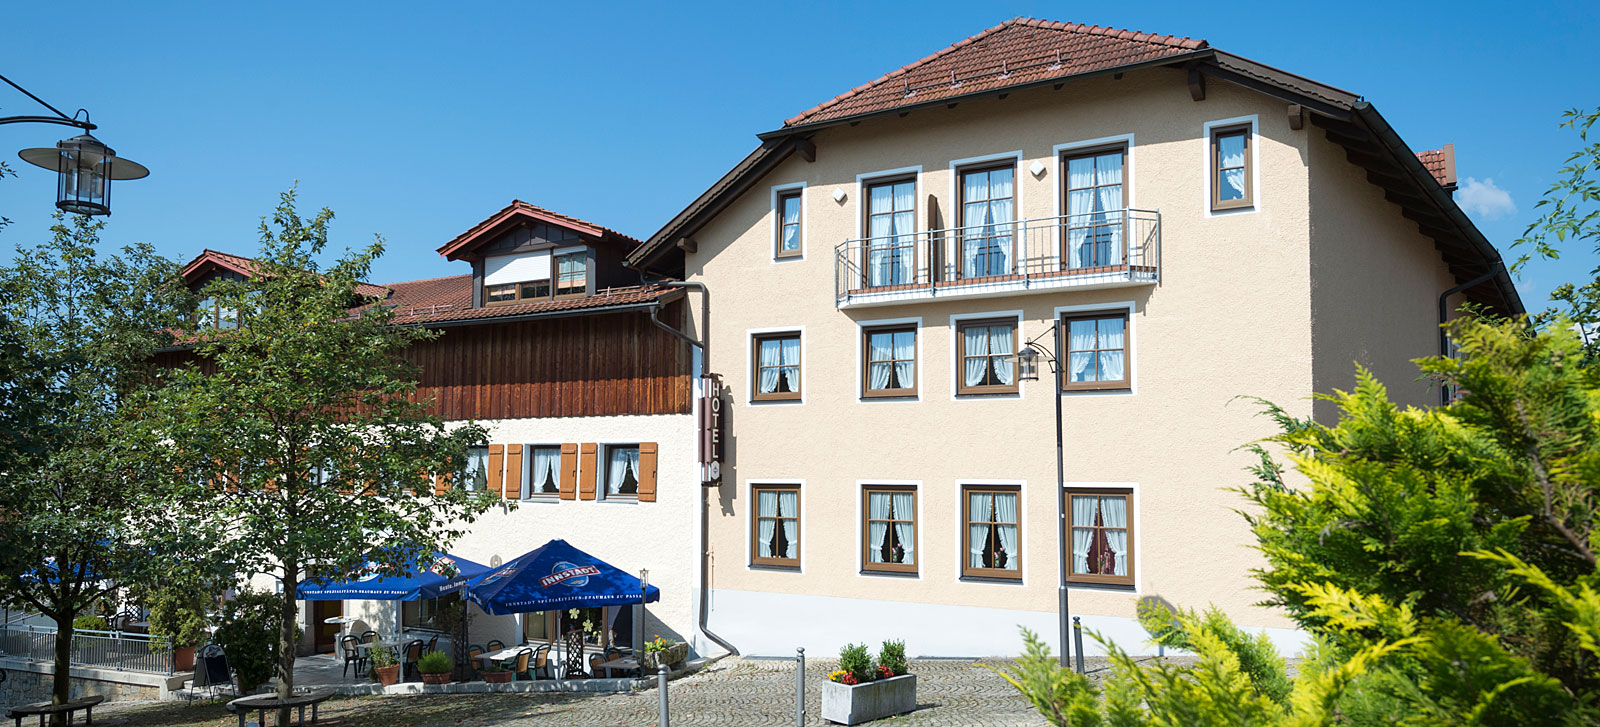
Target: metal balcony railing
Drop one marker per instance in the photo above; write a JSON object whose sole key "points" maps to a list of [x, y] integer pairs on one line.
{"points": [[119, 650], [1117, 247]]}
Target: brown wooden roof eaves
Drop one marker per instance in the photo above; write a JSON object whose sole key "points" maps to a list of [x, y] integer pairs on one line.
{"points": [[440, 300], [247, 267], [1017, 52], [520, 210]]}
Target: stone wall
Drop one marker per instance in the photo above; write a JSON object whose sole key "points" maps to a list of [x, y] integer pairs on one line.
{"points": [[30, 683]]}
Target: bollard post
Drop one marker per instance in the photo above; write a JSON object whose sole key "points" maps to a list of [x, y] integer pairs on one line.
{"points": [[661, 686], [800, 687], [1077, 641]]}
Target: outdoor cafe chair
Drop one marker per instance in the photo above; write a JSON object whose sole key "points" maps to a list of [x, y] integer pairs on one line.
{"points": [[541, 663], [413, 653], [595, 660], [473, 652], [521, 670], [495, 645], [352, 655], [433, 645], [369, 636]]}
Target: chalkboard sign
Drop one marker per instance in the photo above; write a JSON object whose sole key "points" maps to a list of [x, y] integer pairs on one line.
{"points": [[213, 669]]}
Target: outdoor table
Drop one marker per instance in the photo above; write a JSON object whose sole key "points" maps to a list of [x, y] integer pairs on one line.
{"points": [[502, 655], [626, 663], [342, 621]]}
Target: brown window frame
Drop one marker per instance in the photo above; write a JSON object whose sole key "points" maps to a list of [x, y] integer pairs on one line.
{"points": [[783, 198], [1095, 578], [1249, 200], [969, 570], [867, 566], [755, 368], [755, 526], [961, 214], [555, 275], [602, 481], [1126, 382], [1118, 220], [867, 185], [527, 475], [867, 391], [961, 358]]}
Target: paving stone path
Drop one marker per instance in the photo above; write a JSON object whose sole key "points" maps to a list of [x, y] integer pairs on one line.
{"points": [[742, 692]]}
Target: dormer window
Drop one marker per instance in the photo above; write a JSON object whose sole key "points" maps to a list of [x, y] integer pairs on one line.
{"points": [[535, 276], [211, 314]]}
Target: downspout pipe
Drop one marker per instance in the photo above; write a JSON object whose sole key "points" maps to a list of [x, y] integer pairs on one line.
{"points": [[1444, 314], [704, 344]]}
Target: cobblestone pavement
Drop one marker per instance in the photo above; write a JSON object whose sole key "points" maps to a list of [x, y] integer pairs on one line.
{"points": [[742, 692]]}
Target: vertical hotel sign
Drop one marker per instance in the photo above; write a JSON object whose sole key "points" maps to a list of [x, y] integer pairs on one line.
{"points": [[710, 431]]}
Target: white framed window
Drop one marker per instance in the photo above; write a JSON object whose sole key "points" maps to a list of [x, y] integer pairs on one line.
{"points": [[1100, 343], [776, 365], [1231, 169], [788, 222], [541, 472], [983, 349]]}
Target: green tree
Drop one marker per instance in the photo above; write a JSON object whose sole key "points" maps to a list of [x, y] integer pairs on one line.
{"points": [[76, 334], [297, 434], [1443, 560], [1570, 214]]}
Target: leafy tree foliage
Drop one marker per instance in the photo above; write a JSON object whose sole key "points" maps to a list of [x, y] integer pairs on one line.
{"points": [[1443, 560], [248, 634], [296, 436], [76, 334], [1571, 215]]}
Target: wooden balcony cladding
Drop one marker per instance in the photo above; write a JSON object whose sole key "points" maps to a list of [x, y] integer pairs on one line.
{"points": [[564, 367], [600, 365]]}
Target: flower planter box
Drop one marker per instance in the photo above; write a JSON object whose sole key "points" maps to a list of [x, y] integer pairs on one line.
{"points": [[847, 704], [440, 678], [497, 677], [672, 655]]}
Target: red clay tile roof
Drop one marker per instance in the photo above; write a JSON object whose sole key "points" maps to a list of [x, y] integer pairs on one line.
{"points": [[1018, 51], [519, 208], [247, 266], [438, 300], [1441, 163]]}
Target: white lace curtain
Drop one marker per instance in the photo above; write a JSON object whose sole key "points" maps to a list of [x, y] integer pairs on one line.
{"points": [[1094, 206], [624, 461], [1005, 511], [1230, 149], [768, 524], [976, 342], [1085, 337], [1081, 341], [878, 504], [882, 349], [980, 508], [1083, 512], [892, 226], [477, 468], [544, 477], [1114, 515], [789, 507], [1000, 354], [891, 360], [780, 357], [987, 215], [904, 529], [1111, 338], [791, 224]]}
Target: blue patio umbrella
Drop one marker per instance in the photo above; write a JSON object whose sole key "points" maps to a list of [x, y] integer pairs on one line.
{"points": [[417, 579], [555, 576]]}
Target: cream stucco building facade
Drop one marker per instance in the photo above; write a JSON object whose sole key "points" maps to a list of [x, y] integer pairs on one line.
{"points": [[1275, 293]]}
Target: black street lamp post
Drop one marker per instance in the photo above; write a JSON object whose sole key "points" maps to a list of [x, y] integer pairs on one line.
{"points": [[84, 166], [1028, 365]]}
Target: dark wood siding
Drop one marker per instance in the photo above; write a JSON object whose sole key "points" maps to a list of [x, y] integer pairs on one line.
{"points": [[579, 366], [598, 365]]}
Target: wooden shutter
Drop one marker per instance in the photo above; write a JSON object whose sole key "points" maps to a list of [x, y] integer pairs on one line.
{"points": [[647, 472], [513, 487], [497, 453], [569, 471], [586, 470]]}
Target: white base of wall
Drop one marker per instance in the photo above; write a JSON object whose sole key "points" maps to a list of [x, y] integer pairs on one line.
{"points": [[773, 624]]}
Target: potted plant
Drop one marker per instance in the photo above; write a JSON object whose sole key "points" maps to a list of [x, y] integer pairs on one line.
{"points": [[178, 617], [496, 674], [660, 651], [435, 667], [860, 691], [384, 668]]}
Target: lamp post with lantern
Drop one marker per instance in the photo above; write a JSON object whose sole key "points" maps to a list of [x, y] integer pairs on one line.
{"points": [[1028, 370], [84, 166]]}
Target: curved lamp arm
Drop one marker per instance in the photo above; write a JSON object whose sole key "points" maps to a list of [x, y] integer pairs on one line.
{"points": [[59, 118]]}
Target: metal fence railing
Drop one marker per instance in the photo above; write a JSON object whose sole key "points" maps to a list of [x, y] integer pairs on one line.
{"points": [[1086, 249], [121, 650]]}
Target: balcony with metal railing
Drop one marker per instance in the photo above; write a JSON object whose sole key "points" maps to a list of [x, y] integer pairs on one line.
{"points": [[1116, 248]]}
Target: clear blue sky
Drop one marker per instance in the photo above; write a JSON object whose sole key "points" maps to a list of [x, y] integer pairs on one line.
{"points": [[417, 120]]}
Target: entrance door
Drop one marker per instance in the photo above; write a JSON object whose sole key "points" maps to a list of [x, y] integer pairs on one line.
{"points": [[325, 635]]}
